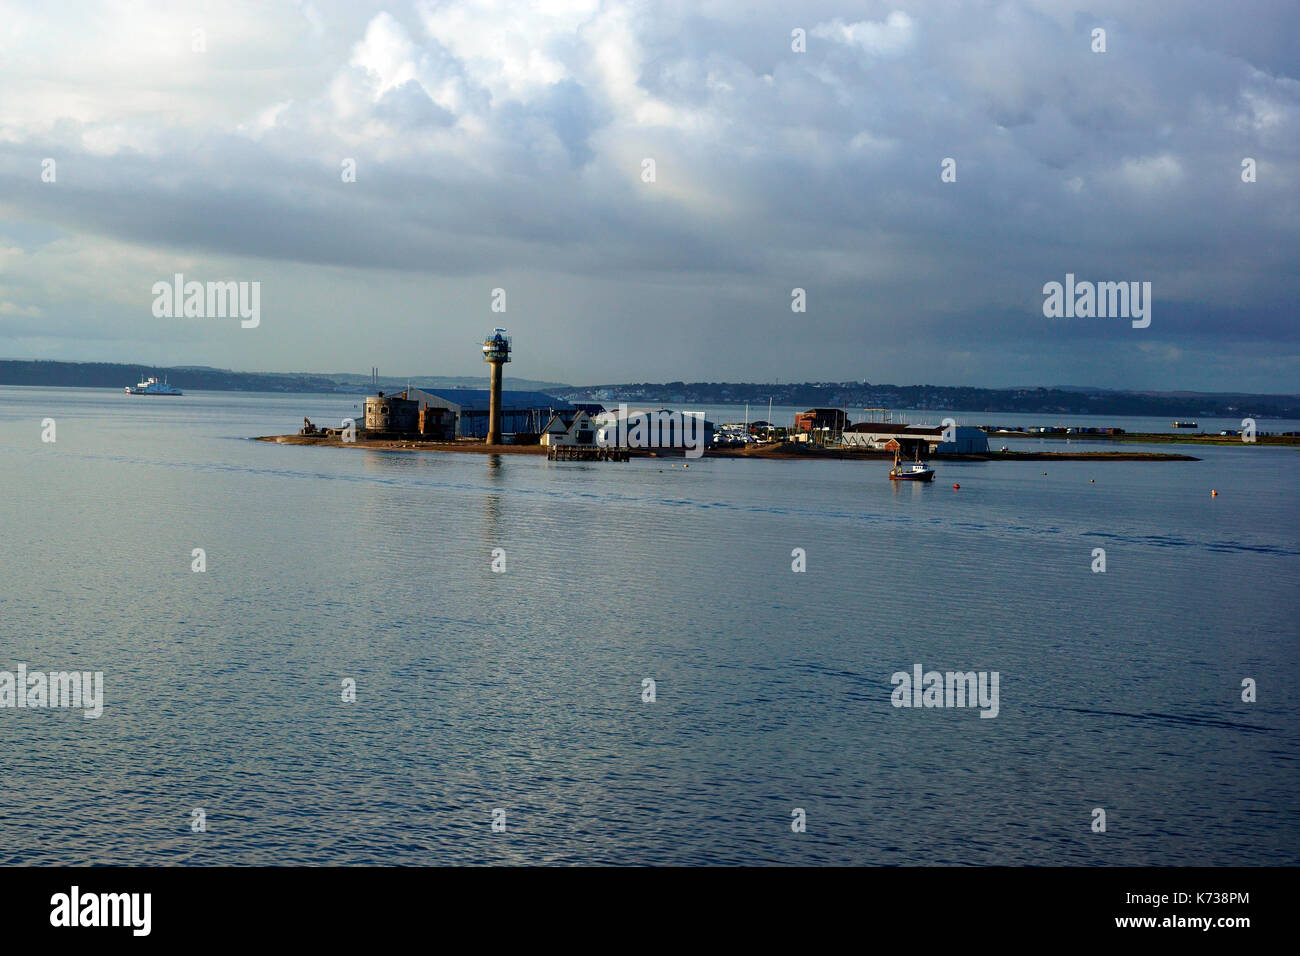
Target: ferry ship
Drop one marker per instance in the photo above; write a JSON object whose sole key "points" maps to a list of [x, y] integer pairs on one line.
{"points": [[1185, 424], [151, 386]]}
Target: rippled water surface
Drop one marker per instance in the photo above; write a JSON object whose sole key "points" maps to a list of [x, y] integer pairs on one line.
{"points": [[522, 690]]}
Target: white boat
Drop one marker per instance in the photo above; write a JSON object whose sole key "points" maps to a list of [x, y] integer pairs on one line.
{"points": [[151, 386]]}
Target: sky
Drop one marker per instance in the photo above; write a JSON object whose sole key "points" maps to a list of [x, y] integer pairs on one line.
{"points": [[504, 145]]}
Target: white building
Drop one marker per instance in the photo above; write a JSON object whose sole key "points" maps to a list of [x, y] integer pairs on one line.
{"points": [[569, 428]]}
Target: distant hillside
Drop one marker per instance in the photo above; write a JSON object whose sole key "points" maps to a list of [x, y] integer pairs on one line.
{"points": [[112, 375], [1062, 400], [858, 395]]}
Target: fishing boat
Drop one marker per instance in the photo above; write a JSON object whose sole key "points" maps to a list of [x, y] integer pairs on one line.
{"points": [[910, 471], [151, 386]]}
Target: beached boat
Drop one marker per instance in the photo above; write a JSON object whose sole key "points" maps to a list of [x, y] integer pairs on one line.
{"points": [[151, 386]]}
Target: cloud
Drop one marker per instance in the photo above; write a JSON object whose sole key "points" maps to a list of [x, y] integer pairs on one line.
{"points": [[1147, 173], [387, 55], [887, 38], [503, 143]]}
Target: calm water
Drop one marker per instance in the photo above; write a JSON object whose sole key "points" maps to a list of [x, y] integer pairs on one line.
{"points": [[783, 415], [522, 690]]}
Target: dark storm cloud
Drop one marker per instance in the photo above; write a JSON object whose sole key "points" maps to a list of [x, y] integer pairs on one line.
{"points": [[493, 140]]}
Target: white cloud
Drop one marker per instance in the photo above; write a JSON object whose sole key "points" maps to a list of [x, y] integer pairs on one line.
{"points": [[515, 50], [1148, 173], [889, 37], [868, 142], [387, 54], [502, 137]]}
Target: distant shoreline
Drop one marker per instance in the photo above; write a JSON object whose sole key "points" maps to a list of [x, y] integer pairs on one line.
{"points": [[1162, 438], [1048, 402]]}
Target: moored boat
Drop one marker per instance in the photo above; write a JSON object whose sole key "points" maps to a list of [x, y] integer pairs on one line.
{"points": [[910, 471]]}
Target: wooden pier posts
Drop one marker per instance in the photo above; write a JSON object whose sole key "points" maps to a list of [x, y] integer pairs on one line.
{"points": [[585, 453]]}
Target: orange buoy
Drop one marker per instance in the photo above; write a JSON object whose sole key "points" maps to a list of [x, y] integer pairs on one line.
{"points": [[1092, 481], [1213, 493]]}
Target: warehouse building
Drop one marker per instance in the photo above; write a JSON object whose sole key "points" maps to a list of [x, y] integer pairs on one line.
{"points": [[969, 441], [819, 419], [523, 414], [911, 440]]}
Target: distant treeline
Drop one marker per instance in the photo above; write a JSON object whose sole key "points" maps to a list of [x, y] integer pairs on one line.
{"points": [[110, 375], [856, 396], [114, 375]]}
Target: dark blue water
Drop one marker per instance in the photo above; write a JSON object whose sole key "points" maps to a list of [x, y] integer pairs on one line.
{"points": [[522, 690]]}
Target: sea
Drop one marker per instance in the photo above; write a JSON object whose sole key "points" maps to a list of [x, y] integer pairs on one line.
{"points": [[330, 656]]}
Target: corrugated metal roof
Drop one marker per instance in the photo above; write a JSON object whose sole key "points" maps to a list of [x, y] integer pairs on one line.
{"points": [[477, 399], [894, 428]]}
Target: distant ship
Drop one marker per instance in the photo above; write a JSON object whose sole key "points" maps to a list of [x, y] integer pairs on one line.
{"points": [[151, 386], [1184, 424]]}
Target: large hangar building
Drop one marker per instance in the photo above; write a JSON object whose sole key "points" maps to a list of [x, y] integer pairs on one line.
{"points": [[522, 413]]}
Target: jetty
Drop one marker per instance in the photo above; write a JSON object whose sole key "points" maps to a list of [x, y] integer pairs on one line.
{"points": [[585, 453]]}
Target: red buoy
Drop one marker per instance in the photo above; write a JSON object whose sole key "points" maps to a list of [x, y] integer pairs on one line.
{"points": [[955, 487]]}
